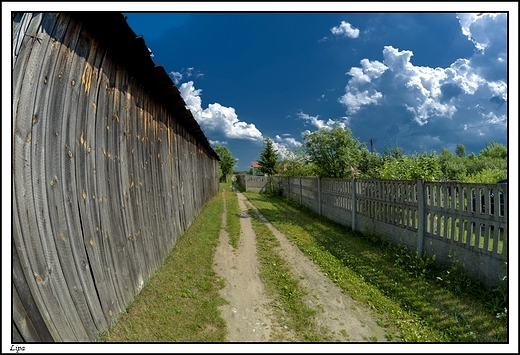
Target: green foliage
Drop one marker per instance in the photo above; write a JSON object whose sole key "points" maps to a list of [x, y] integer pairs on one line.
{"points": [[487, 176], [269, 162], [452, 166], [410, 167], [460, 151], [227, 161], [268, 158], [296, 163], [494, 150], [335, 153], [369, 165]]}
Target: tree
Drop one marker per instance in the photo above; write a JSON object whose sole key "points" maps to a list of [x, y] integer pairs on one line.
{"points": [[227, 161], [334, 152], [490, 163], [494, 150], [268, 158], [411, 167], [269, 161], [461, 150], [295, 163], [369, 164], [452, 166]]}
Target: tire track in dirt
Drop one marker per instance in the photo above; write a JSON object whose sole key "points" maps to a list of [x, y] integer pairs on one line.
{"points": [[247, 312], [344, 317]]}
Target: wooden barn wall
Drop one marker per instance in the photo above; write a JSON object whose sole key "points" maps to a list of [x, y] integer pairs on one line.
{"points": [[104, 180]]}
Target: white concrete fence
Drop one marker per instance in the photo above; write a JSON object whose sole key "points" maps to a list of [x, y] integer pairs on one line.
{"points": [[460, 223]]}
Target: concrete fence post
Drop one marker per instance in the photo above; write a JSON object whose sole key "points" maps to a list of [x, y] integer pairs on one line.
{"points": [[301, 190], [319, 195], [354, 203], [421, 223]]}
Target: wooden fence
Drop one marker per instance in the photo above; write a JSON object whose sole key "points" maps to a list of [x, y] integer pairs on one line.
{"points": [[108, 169], [459, 223]]}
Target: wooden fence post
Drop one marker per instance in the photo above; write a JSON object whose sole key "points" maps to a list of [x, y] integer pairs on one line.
{"points": [[421, 223], [354, 203]]}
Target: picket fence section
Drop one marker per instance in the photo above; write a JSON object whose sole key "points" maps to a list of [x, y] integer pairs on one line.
{"points": [[458, 223], [108, 169]]}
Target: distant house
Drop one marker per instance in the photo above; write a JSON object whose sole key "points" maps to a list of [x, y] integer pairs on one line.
{"points": [[255, 166]]}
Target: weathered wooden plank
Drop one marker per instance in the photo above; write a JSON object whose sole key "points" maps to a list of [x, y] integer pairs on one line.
{"points": [[54, 269], [119, 136], [94, 237], [84, 185], [112, 237], [134, 200], [22, 320], [118, 233], [25, 229], [139, 167], [63, 146], [41, 254], [67, 130], [29, 321]]}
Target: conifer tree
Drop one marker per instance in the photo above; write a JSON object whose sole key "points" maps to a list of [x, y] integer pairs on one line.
{"points": [[269, 161]]}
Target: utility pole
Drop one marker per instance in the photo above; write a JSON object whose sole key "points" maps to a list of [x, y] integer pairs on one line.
{"points": [[372, 145]]}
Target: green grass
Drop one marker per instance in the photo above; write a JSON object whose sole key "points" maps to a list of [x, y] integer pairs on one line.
{"points": [[413, 299], [180, 301], [293, 315], [233, 215]]}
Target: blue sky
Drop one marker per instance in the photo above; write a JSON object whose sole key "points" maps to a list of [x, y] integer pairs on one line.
{"points": [[420, 81]]}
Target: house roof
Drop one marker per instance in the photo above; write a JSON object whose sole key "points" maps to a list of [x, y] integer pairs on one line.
{"points": [[131, 51], [255, 164]]}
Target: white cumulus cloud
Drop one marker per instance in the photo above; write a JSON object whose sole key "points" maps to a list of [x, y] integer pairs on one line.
{"points": [[346, 30], [476, 26], [285, 146], [424, 92], [315, 121], [217, 118], [399, 102]]}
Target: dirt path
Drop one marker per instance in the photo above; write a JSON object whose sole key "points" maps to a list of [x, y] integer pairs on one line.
{"points": [[248, 315]]}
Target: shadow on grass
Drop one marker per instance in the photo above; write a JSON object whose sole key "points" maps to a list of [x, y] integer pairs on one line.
{"points": [[443, 300]]}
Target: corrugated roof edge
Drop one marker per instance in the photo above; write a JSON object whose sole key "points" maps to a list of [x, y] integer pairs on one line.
{"points": [[131, 51]]}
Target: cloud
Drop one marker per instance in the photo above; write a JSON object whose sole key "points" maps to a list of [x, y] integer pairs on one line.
{"points": [[212, 142], [285, 146], [289, 142], [489, 34], [399, 102], [315, 121], [355, 99], [476, 26], [425, 92], [176, 77], [345, 29], [217, 118], [185, 72]]}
